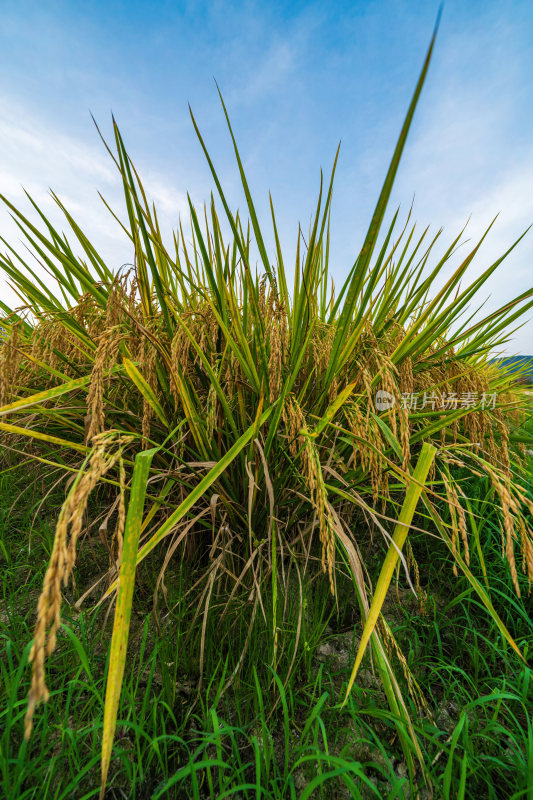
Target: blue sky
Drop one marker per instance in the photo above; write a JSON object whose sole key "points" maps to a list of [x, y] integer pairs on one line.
{"points": [[297, 78]]}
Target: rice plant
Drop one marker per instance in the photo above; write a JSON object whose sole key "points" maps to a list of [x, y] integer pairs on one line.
{"points": [[254, 430]]}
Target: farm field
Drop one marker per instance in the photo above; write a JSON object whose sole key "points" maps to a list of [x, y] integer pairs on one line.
{"points": [[262, 537]]}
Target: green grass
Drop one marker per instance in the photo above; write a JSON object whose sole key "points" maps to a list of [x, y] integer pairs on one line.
{"points": [[261, 739]]}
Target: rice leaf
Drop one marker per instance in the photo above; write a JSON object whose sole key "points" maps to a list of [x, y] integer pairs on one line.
{"points": [[401, 531], [126, 581]]}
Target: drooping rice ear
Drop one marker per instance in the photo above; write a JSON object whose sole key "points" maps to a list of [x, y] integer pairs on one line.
{"points": [[106, 452]]}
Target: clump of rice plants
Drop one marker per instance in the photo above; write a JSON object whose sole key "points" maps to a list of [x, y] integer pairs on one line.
{"points": [[253, 431]]}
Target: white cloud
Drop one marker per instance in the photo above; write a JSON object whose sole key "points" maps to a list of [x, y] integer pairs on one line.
{"points": [[35, 157]]}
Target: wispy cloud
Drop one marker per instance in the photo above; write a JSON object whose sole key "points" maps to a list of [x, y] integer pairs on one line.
{"points": [[37, 158]]}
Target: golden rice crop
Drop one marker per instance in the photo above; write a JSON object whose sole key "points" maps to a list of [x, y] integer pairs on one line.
{"points": [[260, 406]]}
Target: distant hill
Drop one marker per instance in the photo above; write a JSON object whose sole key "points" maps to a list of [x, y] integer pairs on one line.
{"points": [[515, 363]]}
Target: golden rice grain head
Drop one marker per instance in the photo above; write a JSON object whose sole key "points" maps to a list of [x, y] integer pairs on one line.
{"points": [[261, 297], [463, 528], [232, 374], [133, 303], [412, 565], [357, 425], [294, 422], [321, 344], [118, 536], [319, 498], [505, 459], [526, 546], [10, 358], [413, 686], [274, 344], [61, 564], [104, 360], [208, 326], [510, 511], [405, 376], [211, 411], [272, 304], [180, 360], [453, 516]]}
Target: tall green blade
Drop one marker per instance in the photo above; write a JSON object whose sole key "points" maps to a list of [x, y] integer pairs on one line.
{"points": [[414, 490], [121, 625]]}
